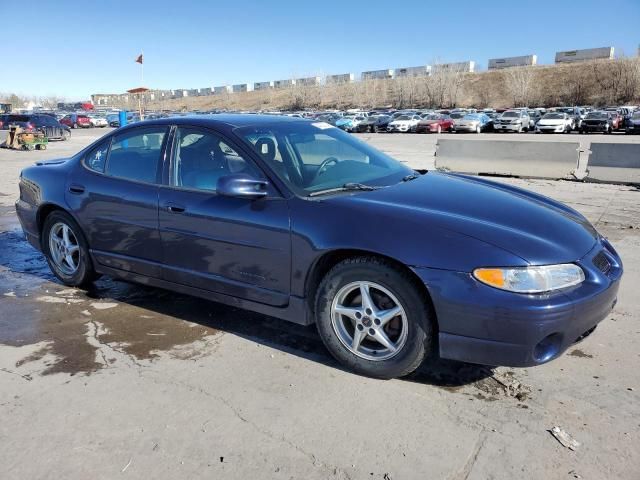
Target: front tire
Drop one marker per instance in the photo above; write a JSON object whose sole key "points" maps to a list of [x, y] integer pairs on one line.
{"points": [[66, 250], [373, 319]]}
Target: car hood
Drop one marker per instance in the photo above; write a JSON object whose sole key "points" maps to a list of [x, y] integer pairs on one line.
{"points": [[535, 228]]}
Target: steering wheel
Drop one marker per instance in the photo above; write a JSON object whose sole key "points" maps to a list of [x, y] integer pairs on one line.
{"points": [[324, 165]]}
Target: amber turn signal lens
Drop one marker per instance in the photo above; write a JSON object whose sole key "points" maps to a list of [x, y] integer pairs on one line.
{"points": [[490, 276]]}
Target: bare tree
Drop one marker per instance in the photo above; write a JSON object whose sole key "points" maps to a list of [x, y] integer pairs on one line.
{"points": [[519, 84]]}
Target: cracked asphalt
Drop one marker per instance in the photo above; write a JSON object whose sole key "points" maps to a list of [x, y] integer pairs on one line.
{"points": [[126, 381]]}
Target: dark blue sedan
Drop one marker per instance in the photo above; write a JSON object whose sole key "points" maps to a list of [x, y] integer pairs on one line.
{"points": [[299, 220]]}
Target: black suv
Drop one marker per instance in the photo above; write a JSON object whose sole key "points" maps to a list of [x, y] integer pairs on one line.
{"points": [[36, 122]]}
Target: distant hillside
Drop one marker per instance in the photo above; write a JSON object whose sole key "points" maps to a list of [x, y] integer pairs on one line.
{"points": [[603, 82]]}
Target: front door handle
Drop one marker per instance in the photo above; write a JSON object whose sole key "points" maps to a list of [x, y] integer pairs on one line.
{"points": [[173, 208], [75, 188]]}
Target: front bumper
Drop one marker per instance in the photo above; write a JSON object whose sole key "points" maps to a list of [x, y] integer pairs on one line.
{"points": [[593, 128], [484, 325], [465, 128], [511, 127], [432, 128], [398, 128], [551, 128]]}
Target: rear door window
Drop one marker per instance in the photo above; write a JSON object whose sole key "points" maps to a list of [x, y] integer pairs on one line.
{"points": [[135, 154]]}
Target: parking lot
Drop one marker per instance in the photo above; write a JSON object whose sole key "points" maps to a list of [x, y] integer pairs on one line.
{"points": [[125, 380]]}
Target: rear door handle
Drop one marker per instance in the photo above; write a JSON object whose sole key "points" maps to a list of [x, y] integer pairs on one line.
{"points": [[75, 188], [173, 208]]}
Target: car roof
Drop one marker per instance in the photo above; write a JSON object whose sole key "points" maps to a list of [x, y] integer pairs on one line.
{"points": [[230, 120]]}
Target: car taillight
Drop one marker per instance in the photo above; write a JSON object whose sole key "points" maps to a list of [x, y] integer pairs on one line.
{"points": [[29, 127]]}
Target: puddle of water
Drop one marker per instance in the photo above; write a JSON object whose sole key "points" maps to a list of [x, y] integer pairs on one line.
{"points": [[145, 321]]}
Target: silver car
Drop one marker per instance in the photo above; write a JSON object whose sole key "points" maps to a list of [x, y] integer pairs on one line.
{"points": [[512, 121]]}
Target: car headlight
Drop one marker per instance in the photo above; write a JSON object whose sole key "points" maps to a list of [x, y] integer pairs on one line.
{"points": [[536, 279]]}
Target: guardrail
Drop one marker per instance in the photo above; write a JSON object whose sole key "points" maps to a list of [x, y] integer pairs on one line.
{"points": [[602, 162], [508, 157], [614, 163]]}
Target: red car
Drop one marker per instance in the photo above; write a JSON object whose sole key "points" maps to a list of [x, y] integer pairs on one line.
{"points": [[617, 122], [75, 120], [435, 123]]}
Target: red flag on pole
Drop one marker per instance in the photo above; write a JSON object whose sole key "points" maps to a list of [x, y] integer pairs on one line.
{"points": [[139, 59]]}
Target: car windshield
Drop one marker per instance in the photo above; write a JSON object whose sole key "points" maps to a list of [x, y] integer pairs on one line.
{"points": [[599, 115], [314, 157], [472, 116], [510, 114], [404, 117], [432, 117], [457, 115], [553, 116]]}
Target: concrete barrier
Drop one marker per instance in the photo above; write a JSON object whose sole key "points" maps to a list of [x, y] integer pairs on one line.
{"points": [[614, 163], [534, 159]]}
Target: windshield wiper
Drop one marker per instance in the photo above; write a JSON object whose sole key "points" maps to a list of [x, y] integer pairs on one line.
{"points": [[351, 186]]}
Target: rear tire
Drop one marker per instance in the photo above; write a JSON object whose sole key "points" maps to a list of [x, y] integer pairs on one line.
{"points": [[364, 339], [66, 250]]}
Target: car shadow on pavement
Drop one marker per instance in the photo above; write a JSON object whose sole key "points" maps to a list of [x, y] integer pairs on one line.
{"points": [[27, 269]]}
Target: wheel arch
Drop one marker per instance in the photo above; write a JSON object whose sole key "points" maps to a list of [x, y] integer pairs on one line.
{"points": [[328, 260], [47, 209]]}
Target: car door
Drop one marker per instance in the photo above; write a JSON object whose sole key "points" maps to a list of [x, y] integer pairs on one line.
{"points": [[115, 199], [234, 246]]}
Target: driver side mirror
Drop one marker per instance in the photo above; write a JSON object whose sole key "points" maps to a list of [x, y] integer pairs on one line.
{"points": [[242, 185]]}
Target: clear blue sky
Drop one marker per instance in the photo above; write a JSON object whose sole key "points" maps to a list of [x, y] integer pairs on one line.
{"points": [[75, 48]]}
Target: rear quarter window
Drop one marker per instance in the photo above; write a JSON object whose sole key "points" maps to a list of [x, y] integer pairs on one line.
{"points": [[96, 158]]}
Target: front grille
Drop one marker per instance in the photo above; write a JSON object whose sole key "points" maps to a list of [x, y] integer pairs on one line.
{"points": [[602, 263]]}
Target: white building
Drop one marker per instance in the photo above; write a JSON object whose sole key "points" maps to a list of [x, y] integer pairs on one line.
{"points": [[507, 62], [262, 85], [462, 67], [241, 87], [421, 71], [308, 81], [340, 78], [222, 89], [377, 74], [571, 56], [284, 83]]}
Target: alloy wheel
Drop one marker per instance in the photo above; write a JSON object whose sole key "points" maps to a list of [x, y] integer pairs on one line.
{"points": [[64, 248], [369, 321]]}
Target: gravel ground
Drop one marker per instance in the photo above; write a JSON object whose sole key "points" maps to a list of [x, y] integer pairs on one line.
{"points": [[133, 382]]}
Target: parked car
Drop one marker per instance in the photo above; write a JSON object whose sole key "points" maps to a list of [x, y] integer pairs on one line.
{"points": [[98, 121], [599, 121], [633, 125], [435, 123], [76, 120], [37, 122], [555, 122], [349, 122], [472, 122], [534, 118], [618, 119], [512, 121], [466, 272], [577, 114], [404, 123], [373, 124]]}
